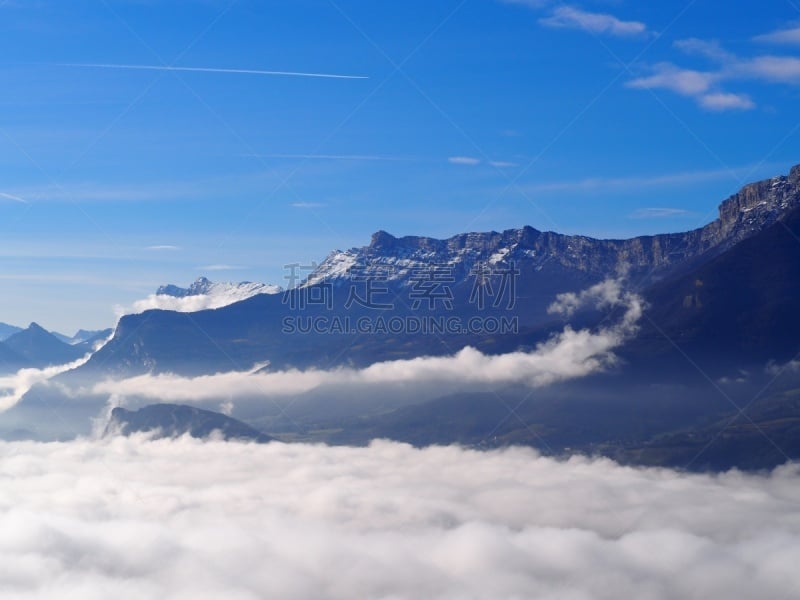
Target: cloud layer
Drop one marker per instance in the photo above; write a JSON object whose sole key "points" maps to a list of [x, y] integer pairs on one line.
{"points": [[569, 354], [130, 519], [14, 387]]}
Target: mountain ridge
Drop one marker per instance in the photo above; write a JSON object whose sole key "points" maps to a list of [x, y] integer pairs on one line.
{"points": [[756, 206], [41, 348], [245, 333], [175, 420], [6, 331]]}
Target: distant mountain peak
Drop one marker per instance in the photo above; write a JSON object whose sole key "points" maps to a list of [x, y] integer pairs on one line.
{"points": [[203, 294], [202, 286], [42, 348], [173, 420], [382, 239], [758, 205]]}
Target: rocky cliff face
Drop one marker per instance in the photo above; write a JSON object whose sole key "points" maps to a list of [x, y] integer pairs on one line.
{"points": [[754, 208]]}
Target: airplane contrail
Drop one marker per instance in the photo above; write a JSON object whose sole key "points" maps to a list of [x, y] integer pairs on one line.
{"points": [[210, 70], [12, 197], [333, 157]]}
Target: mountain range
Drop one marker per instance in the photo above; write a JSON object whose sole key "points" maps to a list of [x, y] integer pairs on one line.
{"points": [[249, 332], [718, 334], [36, 347]]}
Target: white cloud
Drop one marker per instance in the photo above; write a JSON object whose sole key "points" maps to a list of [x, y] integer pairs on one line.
{"points": [[699, 85], [307, 205], [776, 369], [187, 304], [472, 161], [704, 86], [773, 69], [130, 519], [164, 302], [570, 17], [217, 295], [709, 48], [464, 160], [598, 23], [606, 294], [163, 248], [726, 101], [686, 82], [14, 387], [781, 36], [221, 267]]}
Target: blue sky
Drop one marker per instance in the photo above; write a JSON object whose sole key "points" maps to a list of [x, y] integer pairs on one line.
{"points": [[606, 118]]}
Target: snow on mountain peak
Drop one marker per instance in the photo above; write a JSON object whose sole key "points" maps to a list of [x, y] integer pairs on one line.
{"points": [[202, 294], [336, 265]]}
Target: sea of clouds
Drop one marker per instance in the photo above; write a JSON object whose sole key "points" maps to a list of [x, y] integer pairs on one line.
{"points": [[132, 518], [127, 518]]}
